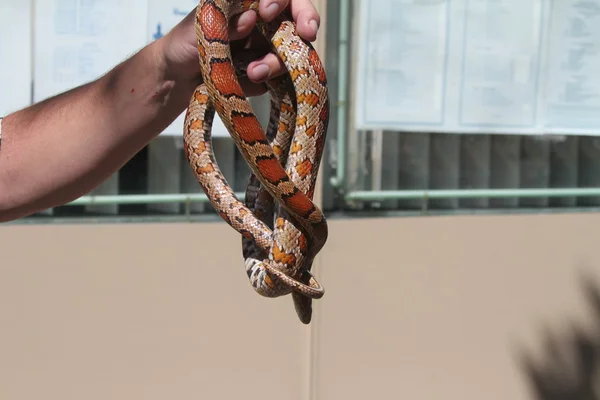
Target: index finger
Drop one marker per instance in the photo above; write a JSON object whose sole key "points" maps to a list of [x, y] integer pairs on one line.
{"points": [[303, 11], [307, 18]]}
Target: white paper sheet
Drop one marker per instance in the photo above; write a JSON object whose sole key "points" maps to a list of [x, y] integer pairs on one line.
{"points": [[163, 15], [402, 63], [479, 66], [77, 41], [572, 81], [15, 55], [500, 56]]}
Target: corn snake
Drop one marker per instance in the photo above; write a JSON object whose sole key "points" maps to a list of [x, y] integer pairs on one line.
{"points": [[282, 229]]}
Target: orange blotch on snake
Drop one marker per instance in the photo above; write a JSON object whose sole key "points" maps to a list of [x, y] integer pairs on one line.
{"points": [[301, 120], [296, 147], [310, 99], [283, 126], [271, 169], [200, 148], [201, 52], [287, 108], [197, 124], [282, 257], [224, 78], [278, 150], [213, 22], [208, 168], [302, 243], [295, 73], [277, 42], [280, 222], [304, 168], [269, 281], [248, 128], [313, 57], [300, 203], [200, 97], [311, 131]]}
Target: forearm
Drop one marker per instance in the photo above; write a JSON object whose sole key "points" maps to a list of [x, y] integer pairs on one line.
{"points": [[60, 149]]}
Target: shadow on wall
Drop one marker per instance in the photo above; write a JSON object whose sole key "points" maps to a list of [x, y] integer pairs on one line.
{"points": [[570, 370]]}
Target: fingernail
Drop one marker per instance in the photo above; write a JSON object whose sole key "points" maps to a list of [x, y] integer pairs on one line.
{"points": [[261, 72], [272, 10], [314, 25]]}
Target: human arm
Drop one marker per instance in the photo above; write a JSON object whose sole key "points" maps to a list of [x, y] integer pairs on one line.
{"points": [[61, 148]]}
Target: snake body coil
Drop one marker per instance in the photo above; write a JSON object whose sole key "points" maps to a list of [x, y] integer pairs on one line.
{"points": [[282, 229]]}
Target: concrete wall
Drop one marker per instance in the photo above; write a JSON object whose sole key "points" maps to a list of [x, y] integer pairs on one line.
{"points": [[416, 308]]}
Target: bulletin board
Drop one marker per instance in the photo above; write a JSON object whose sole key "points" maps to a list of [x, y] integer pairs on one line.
{"points": [[51, 46]]}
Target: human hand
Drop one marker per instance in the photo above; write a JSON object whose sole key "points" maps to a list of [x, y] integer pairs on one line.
{"points": [[181, 54]]}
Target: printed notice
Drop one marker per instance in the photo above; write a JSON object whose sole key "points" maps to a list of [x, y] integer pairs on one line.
{"points": [[479, 66], [501, 58], [164, 15], [402, 56], [77, 41], [15, 55], [572, 83]]}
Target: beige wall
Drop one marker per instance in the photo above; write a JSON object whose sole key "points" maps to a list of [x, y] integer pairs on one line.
{"points": [[416, 308]]}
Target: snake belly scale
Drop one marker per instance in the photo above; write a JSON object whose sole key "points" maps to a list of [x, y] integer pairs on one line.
{"points": [[282, 229]]}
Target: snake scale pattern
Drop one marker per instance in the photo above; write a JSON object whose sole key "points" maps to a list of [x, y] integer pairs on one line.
{"points": [[282, 229]]}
